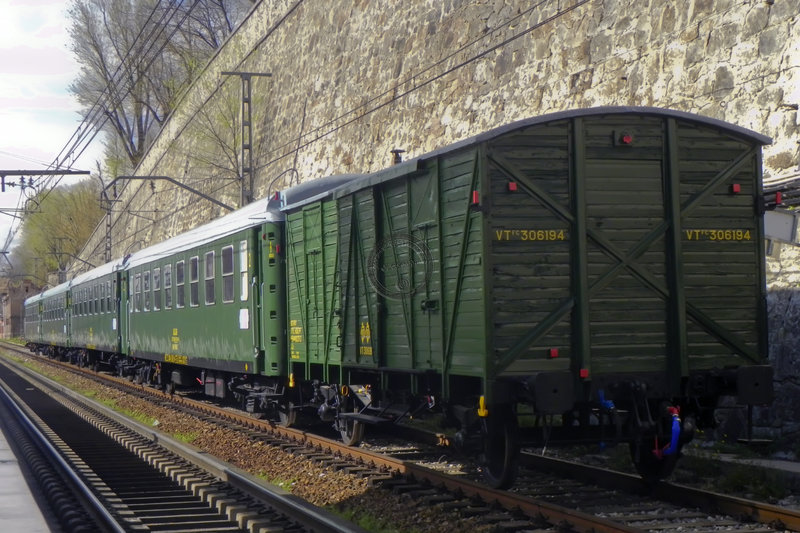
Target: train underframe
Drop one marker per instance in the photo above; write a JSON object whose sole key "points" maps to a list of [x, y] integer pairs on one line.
{"points": [[633, 410], [537, 411]]}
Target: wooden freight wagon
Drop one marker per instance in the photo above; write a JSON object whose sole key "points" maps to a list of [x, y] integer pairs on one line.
{"points": [[601, 269]]}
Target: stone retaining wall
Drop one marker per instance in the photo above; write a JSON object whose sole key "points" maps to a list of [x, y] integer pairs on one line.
{"points": [[352, 80]]}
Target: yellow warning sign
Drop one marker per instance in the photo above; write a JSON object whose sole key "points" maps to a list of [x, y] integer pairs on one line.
{"points": [[366, 340]]}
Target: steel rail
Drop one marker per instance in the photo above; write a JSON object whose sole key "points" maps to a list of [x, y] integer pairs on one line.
{"points": [[312, 517], [674, 493], [554, 514], [79, 489], [760, 512]]}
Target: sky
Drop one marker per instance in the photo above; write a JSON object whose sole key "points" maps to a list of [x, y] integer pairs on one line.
{"points": [[38, 116]]}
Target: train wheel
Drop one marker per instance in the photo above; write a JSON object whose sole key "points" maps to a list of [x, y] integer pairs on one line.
{"points": [[287, 415], [501, 447], [651, 467], [352, 431]]}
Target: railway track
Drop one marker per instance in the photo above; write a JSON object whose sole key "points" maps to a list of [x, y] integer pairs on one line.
{"points": [[551, 494], [133, 480]]}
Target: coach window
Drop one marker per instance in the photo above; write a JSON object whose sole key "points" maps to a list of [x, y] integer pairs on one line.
{"points": [[194, 281], [137, 292], [108, 296], [90, 301], [180, 298], [209, 278], [146, 289], [97, 299], [243, 269], [102, 297], [156, 289], [227, 274], [167, 286]]}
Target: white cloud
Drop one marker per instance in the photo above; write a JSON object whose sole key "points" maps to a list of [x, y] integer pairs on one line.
{"points": [[38, 116]]}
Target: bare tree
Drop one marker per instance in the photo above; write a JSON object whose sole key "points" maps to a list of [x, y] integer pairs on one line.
{"points": [[137, 56]]}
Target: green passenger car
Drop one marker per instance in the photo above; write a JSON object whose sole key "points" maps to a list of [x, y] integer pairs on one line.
{"points": [[94, 310], [208, 306], [592, 265], [193, 301], [55, 318], [32, 325]]}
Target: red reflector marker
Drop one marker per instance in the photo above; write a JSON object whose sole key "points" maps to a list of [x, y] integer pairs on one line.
{"points": [[553, 353], [626, 138], [778, 197], [584, 373], [736, 188], [476, 198], [512, 186]]}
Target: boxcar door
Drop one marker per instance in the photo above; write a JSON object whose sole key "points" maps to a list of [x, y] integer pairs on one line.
{"points": [[408, 279], [358, 310]]}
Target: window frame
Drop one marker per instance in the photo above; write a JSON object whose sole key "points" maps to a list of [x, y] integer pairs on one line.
{"points": [[156, 288], [194, 281], [180, 284], [137, 292], [244, 289], [228, 288], [146, 288], [209, 277], [167, 273]]}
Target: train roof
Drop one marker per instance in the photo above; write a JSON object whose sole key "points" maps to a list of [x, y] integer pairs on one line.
{"points": [[32, 299], [310, 190], [97, 272], [410, 166], [48, 293], [253, 214]]}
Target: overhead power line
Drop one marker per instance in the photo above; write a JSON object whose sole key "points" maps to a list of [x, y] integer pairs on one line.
{"points": [[117, 89]]}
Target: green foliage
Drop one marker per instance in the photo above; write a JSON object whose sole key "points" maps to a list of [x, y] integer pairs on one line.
{"points": [[762, 484], [56, 230], [368, 520], [188, 438]]}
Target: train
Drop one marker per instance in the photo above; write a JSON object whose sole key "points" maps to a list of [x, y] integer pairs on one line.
{"points": [[593, 275]]}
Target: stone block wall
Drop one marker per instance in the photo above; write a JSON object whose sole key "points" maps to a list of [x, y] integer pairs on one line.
{"points": [[352, 80]]}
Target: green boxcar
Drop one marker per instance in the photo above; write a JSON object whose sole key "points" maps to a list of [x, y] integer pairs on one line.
{"points": [[566, 262]]}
